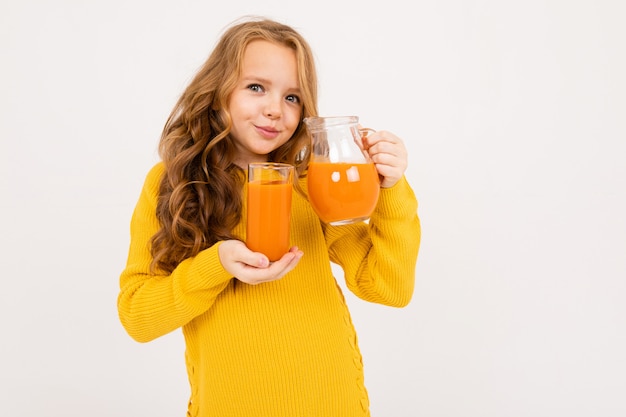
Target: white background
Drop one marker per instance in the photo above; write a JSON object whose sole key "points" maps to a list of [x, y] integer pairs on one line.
{"points": [[514, 116]]}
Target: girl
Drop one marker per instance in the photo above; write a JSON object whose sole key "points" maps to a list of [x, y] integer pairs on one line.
{"points": [[262, 339]]}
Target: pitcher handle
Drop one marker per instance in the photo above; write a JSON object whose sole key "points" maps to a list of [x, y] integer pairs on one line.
{"points": [[364, 131]]}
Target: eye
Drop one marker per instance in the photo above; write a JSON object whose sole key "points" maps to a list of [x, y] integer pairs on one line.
{"points": [[293, 99], [257, 88]]}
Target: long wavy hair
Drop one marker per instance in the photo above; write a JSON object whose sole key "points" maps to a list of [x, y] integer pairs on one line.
{"points": [[200, 196]]}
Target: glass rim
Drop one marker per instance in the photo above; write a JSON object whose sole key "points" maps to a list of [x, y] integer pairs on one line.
{"points": [[325, 122], [266, 165]]}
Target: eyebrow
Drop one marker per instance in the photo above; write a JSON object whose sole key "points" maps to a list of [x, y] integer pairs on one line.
{"points": [[256, 78]]}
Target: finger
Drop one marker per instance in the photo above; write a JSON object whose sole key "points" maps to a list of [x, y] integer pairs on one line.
{"points": [[286, 263], [389, 175], [293, 254], [276, 270], [384, 147], [381, 136], [389, 158]]}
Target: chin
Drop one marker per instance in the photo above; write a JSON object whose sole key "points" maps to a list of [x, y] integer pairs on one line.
{"points": [[265, 150]]}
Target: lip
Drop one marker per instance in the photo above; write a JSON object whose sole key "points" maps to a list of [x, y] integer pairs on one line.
{"points": [[268, 132]]}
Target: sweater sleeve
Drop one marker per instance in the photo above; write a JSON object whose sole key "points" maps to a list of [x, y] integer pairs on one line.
{"points": [[379, 257], [151, 305]]}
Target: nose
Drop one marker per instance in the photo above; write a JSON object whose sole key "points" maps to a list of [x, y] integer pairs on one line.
{"points": [[272, 107]]}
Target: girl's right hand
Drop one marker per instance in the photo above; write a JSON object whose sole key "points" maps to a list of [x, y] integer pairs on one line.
{"points": [[254, 267]]}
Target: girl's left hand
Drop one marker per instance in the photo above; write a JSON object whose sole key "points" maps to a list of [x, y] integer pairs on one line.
{"points": [[389, 155]]}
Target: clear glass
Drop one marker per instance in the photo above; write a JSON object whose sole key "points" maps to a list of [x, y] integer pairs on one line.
{"points": [[269, 208]]}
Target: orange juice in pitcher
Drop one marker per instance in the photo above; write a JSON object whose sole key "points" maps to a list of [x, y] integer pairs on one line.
{"points": [[343, 192], [343, 183]]}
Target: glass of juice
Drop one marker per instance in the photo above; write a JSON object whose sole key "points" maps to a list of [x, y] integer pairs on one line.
{"points": [[343, 184], [269, 208]]}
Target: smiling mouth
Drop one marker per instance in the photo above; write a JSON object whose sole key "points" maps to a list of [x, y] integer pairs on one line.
{"points": [[267, 128], [267, 132]]}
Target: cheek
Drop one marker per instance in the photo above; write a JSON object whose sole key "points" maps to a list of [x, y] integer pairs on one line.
{"points": [[292, 119], [240, 106]]}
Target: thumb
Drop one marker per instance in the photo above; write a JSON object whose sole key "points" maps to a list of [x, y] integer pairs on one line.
{"points": [[256, 259], [234, 252]]}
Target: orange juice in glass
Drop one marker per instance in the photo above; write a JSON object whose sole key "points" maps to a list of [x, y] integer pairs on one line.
{"points": [[269, 208], [342, 183]]}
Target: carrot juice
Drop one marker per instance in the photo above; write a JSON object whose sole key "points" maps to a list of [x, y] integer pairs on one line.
{"points": [[269, 216], [343, 192]]}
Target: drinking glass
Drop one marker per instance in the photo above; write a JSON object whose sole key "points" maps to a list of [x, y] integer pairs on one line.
{"points": [[269, 208]]}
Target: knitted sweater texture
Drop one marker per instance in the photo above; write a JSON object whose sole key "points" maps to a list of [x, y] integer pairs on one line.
{"points": [[286, 348]]}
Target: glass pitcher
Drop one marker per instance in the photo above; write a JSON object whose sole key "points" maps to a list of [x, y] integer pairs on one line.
{"points": [[343, 183]]}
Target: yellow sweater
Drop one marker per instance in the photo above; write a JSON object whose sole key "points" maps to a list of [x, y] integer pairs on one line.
{"points": [[280, 349]]}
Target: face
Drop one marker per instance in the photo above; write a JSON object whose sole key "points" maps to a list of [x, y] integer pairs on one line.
{"points": [[265, 106]]}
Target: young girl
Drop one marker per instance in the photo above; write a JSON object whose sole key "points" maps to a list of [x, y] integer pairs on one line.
{"points": [[262, 339]]}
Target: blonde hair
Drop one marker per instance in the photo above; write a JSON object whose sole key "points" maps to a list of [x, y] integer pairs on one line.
{"points": [[199, 200]]}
